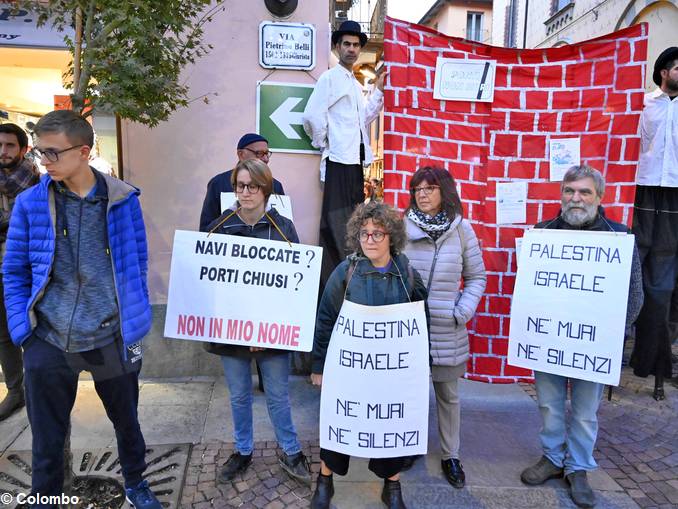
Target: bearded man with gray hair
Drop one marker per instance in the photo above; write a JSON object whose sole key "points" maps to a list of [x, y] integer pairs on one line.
{"points": [[570, 452]]}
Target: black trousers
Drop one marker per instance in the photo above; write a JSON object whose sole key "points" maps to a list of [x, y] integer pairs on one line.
{"points": [[382, 467], [51, 387], [10, 355], [655, 225], [343, 192]]}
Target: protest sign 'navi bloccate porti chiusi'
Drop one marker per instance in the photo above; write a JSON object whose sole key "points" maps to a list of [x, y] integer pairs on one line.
{"points": [[242, 291]]}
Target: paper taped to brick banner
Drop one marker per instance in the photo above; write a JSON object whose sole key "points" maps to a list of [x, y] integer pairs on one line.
{"points": [[563, 154], [568, 314], [511, 202], [374, 400], [242, 291], [464, 80]]}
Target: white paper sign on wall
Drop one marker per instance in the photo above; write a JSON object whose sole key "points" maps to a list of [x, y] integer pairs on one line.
{"points": [[464, 80]]}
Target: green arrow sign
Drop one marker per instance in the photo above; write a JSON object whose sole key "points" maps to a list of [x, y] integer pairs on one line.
{"points": [[279, 110]]}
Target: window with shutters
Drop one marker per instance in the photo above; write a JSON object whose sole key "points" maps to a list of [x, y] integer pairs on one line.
{"points": [[474, 26]]}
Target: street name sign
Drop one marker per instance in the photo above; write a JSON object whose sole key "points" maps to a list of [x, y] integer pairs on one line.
{"points": [[287, 45], [280, 107]]}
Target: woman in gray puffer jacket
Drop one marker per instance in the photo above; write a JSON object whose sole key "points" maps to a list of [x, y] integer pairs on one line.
{"points": [[443, 248]]}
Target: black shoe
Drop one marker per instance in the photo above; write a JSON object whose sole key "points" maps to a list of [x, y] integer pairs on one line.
{"points": [[580, 490], [408, 462], [541, 472], [13, 401], [235, 464], [324, 491], [297, 466], [454, 473], [392, 495], [659, 394]]}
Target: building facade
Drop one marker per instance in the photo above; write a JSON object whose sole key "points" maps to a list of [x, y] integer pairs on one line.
{"points": [[173, 162], [468, 19], [559, 22]]}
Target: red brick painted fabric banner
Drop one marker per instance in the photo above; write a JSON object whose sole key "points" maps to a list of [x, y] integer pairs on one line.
{"points": [[593, 90]]}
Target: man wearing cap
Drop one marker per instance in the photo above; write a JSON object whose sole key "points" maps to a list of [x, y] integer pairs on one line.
{"points": [[336, 119], [250, 146], [655, 221]]}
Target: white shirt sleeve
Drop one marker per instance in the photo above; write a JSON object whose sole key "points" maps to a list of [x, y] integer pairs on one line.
{"points": [[315, 117]]}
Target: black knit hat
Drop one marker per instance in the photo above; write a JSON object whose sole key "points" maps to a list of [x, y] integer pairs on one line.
{"points": [[349, 28], [249, 138], [665, 57]]}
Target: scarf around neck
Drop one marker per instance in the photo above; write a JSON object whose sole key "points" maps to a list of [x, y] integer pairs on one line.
{"points": [[434, 226], [16, 180]]}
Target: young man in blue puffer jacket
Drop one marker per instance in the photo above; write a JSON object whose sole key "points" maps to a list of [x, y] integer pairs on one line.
{"points": [[76, 297]]}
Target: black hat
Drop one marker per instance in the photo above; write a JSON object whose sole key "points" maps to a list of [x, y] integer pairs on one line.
{"points": [[351, 28], [281, 8], [665, 57], [249, 138]]}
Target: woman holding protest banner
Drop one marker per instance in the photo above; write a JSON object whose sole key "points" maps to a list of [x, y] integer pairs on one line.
{"points": [[376, 274], [445, 250], [250, 216]]}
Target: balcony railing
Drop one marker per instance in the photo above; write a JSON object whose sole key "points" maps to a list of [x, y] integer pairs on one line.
{"points": [[372, 25]]}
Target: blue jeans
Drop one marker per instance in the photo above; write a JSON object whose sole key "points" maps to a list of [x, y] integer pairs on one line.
{"points": [[275, 370], [571, 449]]}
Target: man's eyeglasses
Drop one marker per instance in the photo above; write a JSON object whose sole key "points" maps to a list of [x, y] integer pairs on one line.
{"points": [[377, 236], [425, 189], [260, 153], [53, 155], [251, 188]]}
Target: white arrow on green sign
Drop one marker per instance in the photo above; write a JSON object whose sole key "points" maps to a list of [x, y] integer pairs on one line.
{"points": [[279, 116]]}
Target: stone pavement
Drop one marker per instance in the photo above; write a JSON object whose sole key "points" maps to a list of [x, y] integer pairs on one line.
{"points": [[638, 443], [638, 440], [637, 448]]}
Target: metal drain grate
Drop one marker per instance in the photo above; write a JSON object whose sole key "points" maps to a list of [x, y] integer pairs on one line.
{"points": [[97, 478]]}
